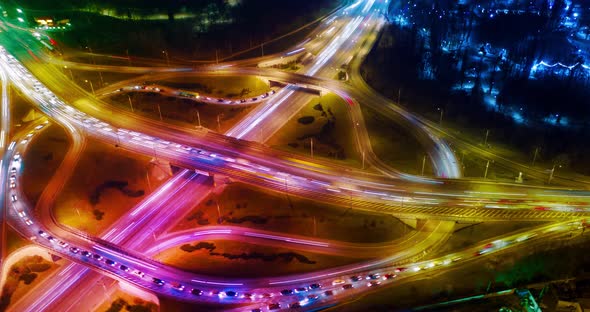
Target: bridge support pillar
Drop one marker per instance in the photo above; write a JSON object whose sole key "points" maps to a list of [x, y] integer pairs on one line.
{"points": [[418, 224], [160, 167], [411, 222]]}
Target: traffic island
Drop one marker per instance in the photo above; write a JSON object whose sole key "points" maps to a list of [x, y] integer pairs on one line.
{"points": [[252, 207], [321, 129], [42, 159], [222, 257], [179, 111], [29, 266], [121, 300], [107, 182], [396, 146]]}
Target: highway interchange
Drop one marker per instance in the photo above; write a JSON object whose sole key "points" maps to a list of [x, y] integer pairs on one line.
{"points": [[237, 155]]}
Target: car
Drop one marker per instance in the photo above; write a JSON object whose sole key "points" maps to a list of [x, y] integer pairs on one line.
{"points": [[28, 221], [328, 293], [243, 101], [86, 253], [63, 244], [274, 306], [51, 239], [312, 297], [373, 283], [400, 270], [248, 296], [286, 292], [12, 184], [22, 214], [356, 278], [374, 276], [196, 292], [16, 157], [347, 286], [215, 293], [315, 286], [256, 310], [13, 177], [272, 92], [177, 286], [300, 290], [266, 295], [13, 170], [110, 262], [337, 282], [97, 257], [123, 267], [295, 305], [255, 99], [138, 273], [158, 281], [13, 198], [219, 100], [389, 276]]}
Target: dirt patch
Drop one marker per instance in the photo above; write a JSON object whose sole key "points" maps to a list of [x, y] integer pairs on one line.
{"points": [[252, 260], [261, 209], [107, 182], [42, 159], [324, 120], [27, 271]]}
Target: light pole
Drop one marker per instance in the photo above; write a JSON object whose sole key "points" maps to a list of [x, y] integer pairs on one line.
{"points": [[91, 55], [311, 146], [423, 164], [128, 58], [535, 155], [91, 86], [159, 111], [199, 119], [485, 141], [485, 174], [551, 173], [441, 115], [130, 103], [167, 59], [101, 80], [363, 160], [71, 75], [147, 176]]}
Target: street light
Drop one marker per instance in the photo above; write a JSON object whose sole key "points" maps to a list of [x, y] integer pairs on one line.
{"points": [[91, 86], [130, 103], [441, 115], [167, 59], [551, 173], [71, 75]]}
